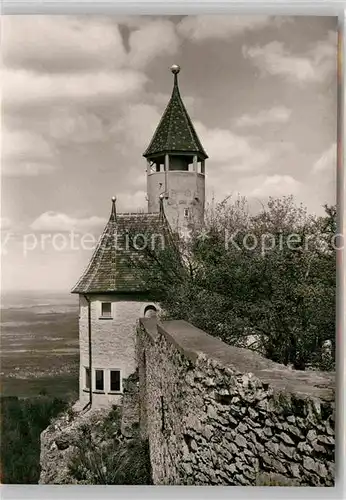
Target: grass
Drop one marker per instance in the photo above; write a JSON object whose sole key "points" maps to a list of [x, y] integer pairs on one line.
{"points": [[64, 386], [103, 456]]}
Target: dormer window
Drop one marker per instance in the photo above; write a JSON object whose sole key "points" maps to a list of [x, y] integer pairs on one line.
{"points": [[106, 310]]}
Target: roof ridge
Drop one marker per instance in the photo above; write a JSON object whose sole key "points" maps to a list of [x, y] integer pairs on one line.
{"points": [[109, 269], [189, 123], [93, 257], [159, 124], [174, 91], [103, 248]]}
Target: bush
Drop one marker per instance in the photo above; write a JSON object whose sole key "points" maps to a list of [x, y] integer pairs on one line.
{"points": [[103, 456], [22, 421], [278, 301]]}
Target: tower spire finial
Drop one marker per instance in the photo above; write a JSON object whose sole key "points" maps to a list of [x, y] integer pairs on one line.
{"points": [[175, 131], [114, 211], [175, 68]]}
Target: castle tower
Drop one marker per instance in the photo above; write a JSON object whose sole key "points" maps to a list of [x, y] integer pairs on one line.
{"points": [[176, 165], [112, 295]]}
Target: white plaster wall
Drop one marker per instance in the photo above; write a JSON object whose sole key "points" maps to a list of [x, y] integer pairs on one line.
{"points": [[182, 189], [113, 342]]}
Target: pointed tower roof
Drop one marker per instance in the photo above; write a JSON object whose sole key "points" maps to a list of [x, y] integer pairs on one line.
{"points": [[111, 268], [175, 133]]}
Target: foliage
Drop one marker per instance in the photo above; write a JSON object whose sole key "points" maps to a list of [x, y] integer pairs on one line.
{"points": [[276, 297], [22, 421], [103, 456]]}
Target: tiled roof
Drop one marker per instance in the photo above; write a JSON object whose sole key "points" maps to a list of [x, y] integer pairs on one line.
{"points": [[175, 132], [110, 268]]}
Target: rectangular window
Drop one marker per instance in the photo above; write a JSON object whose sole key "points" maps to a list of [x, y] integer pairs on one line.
{"points": [[87, 378], [99, 382], [115, 382], [186, 212], [106, 309]]}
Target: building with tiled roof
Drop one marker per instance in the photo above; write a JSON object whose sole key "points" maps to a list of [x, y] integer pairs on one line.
{"points": [[176, 165], [111, 268], [111, 291]]}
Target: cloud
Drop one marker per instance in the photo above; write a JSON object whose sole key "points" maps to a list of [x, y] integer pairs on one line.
{"points": [[326, 162], [65, 77], [76, 125], [263, 186], [137, 122], [235, 151], [135, 126], [229, 153], [253, 187], [199, 28], [18, 144], [84, 43], [275, 185], [153, 39], [27, 168], [314, 65], [323, 178], [132, 202], [60, 222], [278, 114], [79, 58], [61, 43], [5, 223], [22, 88], [222, 144], [25, 153]]}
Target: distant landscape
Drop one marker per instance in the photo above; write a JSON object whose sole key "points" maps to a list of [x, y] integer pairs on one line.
{"points": [[39, 344], [39, 374]]}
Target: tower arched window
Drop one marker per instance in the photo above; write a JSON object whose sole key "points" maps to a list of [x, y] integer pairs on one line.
{"points": [[150, 312]]}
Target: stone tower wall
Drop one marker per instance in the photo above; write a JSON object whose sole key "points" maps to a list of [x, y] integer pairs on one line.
{"points": [[185, 190]]}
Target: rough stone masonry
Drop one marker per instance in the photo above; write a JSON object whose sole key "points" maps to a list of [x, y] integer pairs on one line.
{"points": [[217, 414]]}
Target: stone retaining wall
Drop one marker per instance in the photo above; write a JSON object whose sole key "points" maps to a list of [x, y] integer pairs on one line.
{"points": [[217, 414]]}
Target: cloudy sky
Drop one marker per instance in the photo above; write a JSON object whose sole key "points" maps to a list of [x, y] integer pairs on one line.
{"points": [[83, 95]]}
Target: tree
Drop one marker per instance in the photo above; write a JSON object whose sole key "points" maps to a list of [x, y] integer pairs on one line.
{"points": [[265, 281]]}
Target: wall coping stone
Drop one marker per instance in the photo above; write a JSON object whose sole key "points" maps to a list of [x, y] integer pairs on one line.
{"points": [[194, 344], [150, 326]]}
